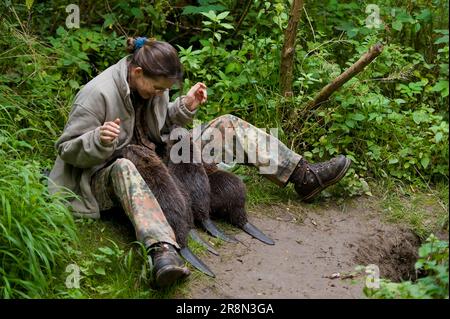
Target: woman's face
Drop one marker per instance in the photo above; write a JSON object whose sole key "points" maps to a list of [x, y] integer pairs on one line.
{"points": [[148, 87]]}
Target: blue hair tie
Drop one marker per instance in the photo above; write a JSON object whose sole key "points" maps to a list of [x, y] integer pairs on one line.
{"points": [[139, 43]]}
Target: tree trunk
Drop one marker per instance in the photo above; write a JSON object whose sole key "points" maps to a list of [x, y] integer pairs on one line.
{"points": [[288, 52]]}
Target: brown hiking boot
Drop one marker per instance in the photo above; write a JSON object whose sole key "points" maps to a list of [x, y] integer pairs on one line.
{"points": [[310, 179], [168, 266]]}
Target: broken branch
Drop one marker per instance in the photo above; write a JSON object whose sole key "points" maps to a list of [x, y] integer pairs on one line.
{"points": [[356, 68]]}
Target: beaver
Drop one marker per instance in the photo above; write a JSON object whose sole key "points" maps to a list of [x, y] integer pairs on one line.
{"points": [[195, 181], [228, 195]]}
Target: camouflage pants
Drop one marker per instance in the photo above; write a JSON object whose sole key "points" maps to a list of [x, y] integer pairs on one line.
{"points": [[121, 184], [232, 137]]}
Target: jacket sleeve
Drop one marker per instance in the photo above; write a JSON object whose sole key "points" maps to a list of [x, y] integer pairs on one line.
{"points": [[178, 113], [79, 145]]}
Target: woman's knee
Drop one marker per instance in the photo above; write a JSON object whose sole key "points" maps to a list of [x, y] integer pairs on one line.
{"points": [[123, 164], [228, 118]]}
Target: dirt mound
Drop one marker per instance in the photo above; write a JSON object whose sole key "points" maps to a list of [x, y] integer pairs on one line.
{"points": [[394, 251]]}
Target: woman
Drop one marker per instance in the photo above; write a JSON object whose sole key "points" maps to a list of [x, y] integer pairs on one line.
{"points": [[102, 121]]}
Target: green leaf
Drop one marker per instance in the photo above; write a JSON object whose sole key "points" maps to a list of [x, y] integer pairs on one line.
{"points": [[61, 31], [223, 15], [227, 26], [50, 128], [397, 25], [210, 14], [393, 161], [350, 123], [419, 117], [29, 4], [352, 33], [84, 66], [106, 250], [417, 27], [438, 137], [425, 161], [74, 84], [100, 271], [425, 15], [22, 144], [137, 12], [195, 10], [230, 68], [443, 39], [109, 20], [441, 86], [404, 17], [358, 117]]}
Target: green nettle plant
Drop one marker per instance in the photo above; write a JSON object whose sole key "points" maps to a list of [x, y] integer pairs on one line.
{"points": [[432, 266]]}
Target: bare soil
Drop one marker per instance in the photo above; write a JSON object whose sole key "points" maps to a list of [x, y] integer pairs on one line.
{"points": [[315, 254]]}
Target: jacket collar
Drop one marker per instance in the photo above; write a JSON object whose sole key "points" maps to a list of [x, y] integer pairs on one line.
{"points": [[120, 79]]}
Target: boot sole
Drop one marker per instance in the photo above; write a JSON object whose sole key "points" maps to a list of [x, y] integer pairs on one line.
{"points": [[169, 274], [331, 182]]}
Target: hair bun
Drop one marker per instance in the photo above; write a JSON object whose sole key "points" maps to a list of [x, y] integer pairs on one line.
{"points": [[134, 44], [130, 45]]}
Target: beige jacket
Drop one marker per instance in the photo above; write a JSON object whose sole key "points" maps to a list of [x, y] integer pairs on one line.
{"points": [[80, 153]]}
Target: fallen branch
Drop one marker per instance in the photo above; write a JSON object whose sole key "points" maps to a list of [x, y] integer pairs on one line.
{"points": [[356, 68]]}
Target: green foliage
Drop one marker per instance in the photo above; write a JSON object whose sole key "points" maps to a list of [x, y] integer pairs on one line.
{"points": [[88, 50], [35, 227], [112, 264], [399, 131], [432, 264], [391, 119], [423, 211], [110, 272], [204, 6], [33, 96], [233, 68]]}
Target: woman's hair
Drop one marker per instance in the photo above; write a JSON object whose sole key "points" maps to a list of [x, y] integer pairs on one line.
{"points": [[156, 58]]}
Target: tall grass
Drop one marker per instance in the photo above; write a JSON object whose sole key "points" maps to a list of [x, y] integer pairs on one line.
{"points": [[35, 227]]}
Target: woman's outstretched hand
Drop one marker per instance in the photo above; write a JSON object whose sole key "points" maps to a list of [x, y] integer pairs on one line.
{"points": [[195, 96], [109, 131]]}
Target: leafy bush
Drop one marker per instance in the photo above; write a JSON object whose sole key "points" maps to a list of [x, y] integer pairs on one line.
{"points": [[38, 84], [391, 119], [432, 264], [403, 134]]}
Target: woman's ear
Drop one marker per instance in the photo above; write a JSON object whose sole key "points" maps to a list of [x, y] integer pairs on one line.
{"points": [[137, 71]]}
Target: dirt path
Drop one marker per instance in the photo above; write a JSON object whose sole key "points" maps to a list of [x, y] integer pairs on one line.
{"points": [[310, 246]]}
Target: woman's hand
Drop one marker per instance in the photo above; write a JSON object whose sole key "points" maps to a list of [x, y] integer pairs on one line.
{"points": [[195, 96], [109, 131]]}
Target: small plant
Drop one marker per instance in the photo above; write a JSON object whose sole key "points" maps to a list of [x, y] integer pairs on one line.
{"points": [[215, 25]]}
